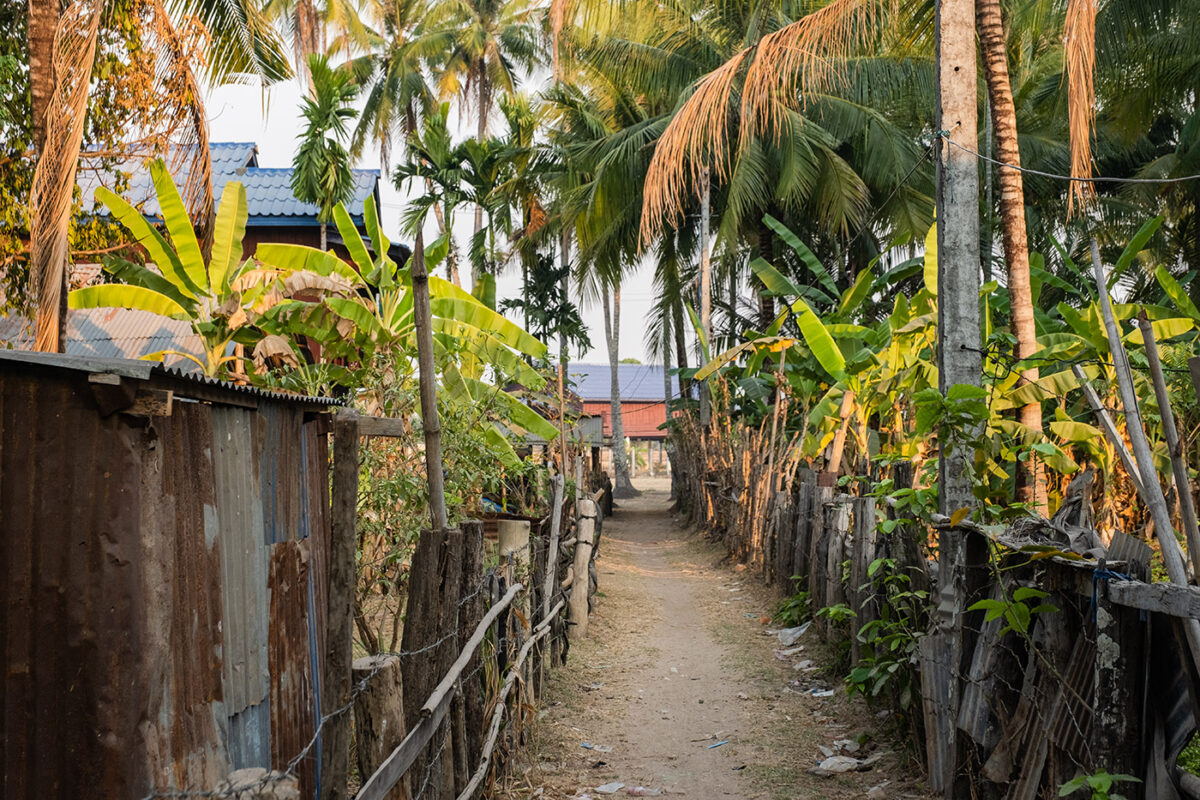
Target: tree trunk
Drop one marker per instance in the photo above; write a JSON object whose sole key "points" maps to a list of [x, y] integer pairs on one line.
{"points": [[42, 22], [1031, 486], [72, 57], [427, 380], [481, 128], [681, 359], [705, 291], [622, 486], [766, 304]]}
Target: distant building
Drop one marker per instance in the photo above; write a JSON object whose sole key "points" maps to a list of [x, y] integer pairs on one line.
{"points": [[642, 391]]}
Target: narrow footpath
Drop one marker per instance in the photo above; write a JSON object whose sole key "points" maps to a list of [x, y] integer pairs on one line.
{"points": [[679, 690]]}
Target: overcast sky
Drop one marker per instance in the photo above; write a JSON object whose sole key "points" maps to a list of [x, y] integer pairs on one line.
{"points": [[272, 121]]}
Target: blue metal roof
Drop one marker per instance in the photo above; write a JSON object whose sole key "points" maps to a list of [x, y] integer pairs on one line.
{"points": [[644, 382], [268, 189]]}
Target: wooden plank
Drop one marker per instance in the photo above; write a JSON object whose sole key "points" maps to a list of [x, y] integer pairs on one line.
{"points": [[860, 591], [383, 426], [1164, 598], [456, 669], [339, 639], [398, 763]]}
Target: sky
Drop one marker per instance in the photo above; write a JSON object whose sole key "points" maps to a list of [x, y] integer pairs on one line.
{"points": [[271, 119]]}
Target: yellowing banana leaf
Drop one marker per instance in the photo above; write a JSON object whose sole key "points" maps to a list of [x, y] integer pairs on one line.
{"points": [[489, 349], [116, 295], [310, 259], [854, 296], [931, 260], [1163, 329], [352, 240], [502, 446], [768, 342], [229, 228], [1058, 460], [1072, 431]]}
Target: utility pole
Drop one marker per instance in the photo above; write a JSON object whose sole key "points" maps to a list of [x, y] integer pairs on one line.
{"points": [[959, 357], [959, 333]]}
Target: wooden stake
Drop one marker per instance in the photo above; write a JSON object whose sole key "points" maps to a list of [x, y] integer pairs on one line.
{"points": [[552, 553], [1183, 483], [427, 376], [578, 617], [339, 638], [378, 714], [1169, 545], [1110, 430]]}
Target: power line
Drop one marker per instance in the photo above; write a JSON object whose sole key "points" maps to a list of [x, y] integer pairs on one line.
{"points": [[1042, 173]]}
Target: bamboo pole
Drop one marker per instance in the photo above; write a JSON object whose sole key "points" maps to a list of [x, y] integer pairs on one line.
{"points": [[427, 377], [1169, 545], [1183, 484], [1114, 436]]}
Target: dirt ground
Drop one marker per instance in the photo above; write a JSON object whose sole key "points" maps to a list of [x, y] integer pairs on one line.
{"points": [[679, 678]]}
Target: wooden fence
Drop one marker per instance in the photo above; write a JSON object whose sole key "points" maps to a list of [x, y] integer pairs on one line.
{"points": [[430, 719], [1082, 669]]}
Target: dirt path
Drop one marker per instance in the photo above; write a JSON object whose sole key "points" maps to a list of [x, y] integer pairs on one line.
{"points": [[678, 678]]}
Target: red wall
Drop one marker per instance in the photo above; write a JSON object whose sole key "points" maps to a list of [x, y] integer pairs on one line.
{"points": [[640, 418]]}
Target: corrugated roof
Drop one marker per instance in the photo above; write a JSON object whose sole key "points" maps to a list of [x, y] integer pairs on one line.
{"points": [[268, 189], [113, 333], [637, 381]]}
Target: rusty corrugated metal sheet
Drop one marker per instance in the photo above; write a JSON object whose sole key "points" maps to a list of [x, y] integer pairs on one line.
{"points": [[245, 563], [163, 605]]}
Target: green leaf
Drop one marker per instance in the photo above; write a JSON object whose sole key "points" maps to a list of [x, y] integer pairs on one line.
{"points": [[229, 228], [115, 295], [807, 256], [855, 295], [1135, 246], [817, 337], [157, 248], [1176, 292], [774, 281], [128, 272], [448, 300], [754, 345], [352, 239], [179, 225], [354, 310], [704, 354]]}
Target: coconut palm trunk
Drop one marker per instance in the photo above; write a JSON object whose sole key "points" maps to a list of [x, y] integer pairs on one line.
{"points": [[1031, 486], [622, 485], [42, 22]]}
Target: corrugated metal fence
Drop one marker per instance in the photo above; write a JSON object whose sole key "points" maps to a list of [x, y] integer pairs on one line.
{"points": [[163, 576]]}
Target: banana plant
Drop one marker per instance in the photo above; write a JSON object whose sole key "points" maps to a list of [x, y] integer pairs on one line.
{"points": [[375, 319], [219, 295]]}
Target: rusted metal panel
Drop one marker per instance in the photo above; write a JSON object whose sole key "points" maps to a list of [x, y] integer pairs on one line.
{"points": [[292, 718], [244, 567], [153, 637]]}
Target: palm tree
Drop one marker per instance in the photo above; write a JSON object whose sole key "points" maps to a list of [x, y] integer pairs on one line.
{"points": [[492, 41], [993, 47], [322, 164], [60, 71]]}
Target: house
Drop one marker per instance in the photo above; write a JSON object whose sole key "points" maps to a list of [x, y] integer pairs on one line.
{"points": [[275, 215], [643, 404]]}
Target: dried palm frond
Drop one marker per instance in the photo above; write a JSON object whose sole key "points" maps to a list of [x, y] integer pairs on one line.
{"points": [[781, 71], [54, 177], [695, 138], [1079, 35]]}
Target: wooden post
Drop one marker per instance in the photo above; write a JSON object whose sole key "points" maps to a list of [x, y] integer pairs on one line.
{"points": [[427, 377], [467, 708], [551, 575], [862, 598], [578, 606], [1183, 482], [378, 715], [1171, 552], [339, 637]]}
